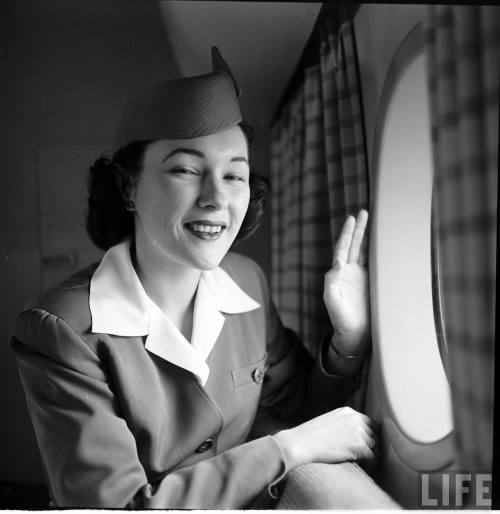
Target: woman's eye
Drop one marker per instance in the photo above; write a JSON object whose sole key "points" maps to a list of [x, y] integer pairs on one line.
{"points": [[236, 178], [184, 171]]}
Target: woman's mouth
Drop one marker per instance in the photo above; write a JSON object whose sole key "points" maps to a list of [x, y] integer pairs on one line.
{"points": [[208, 231]]}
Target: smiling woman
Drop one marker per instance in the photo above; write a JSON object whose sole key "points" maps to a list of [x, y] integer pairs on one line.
{"points": [[151, 377]]}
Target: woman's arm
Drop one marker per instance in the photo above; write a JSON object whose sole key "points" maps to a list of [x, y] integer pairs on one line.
{"points": [[302, 404], [341, 434], [91, 457]]}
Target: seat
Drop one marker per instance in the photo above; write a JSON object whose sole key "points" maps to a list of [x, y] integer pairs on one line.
{"points": [[333, 486]]}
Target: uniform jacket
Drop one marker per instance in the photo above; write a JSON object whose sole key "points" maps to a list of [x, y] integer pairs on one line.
{"points": [[122, 422]]}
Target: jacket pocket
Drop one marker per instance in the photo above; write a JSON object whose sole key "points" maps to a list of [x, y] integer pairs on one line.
{"points": [[253, 373]]}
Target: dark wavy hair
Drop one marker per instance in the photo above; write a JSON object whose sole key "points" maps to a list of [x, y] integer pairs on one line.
{"points": [[108, 222]]}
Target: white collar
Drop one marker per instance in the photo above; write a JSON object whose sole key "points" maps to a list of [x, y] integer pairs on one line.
{"points": [[120, 306]]}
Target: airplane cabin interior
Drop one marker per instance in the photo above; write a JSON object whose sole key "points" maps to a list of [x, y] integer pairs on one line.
{"points": [[392, 108]]}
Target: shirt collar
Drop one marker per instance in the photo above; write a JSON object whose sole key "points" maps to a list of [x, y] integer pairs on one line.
{"points": [[120, 306]]}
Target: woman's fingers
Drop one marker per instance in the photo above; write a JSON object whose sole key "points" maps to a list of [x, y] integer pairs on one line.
{"points": [[344, 241], [371, 447], [355, 250], [368, 445], [369, 422], [373, 441], [350, 246]]}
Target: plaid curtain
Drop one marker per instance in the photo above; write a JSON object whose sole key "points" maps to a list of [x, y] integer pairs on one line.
{"points": [[319, 176], [463, 48]]}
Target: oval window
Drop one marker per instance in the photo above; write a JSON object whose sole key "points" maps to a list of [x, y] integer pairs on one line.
{"points": [[403, 319]]}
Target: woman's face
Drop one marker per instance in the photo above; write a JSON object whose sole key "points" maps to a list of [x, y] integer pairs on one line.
{"points": [[191, 198]]}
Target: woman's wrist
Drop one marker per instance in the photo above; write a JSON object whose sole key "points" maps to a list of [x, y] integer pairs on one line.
{"points": [[343, 353], [350, 344], [341, 361], [289, 448]]}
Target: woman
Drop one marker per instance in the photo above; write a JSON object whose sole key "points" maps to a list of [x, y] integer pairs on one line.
{"points": [[151, 378]]}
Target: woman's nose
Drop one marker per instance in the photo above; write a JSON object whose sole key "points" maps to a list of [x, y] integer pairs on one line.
{"points": [[212, 194]]}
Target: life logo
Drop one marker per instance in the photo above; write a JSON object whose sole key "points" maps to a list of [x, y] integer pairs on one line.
{"points": [[454, 489]]}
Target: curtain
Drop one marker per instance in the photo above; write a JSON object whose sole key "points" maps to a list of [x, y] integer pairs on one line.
{"points": [[319, 176], [463, 48]]}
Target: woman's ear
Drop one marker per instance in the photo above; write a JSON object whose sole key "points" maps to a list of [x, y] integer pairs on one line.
{"points": [[123, 183]]}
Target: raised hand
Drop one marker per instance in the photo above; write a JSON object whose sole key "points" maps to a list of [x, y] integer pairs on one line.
{"points": [[346, 293]]}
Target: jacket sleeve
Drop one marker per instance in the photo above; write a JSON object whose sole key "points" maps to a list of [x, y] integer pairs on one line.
{"points": [[90, 455], [297, 386]]}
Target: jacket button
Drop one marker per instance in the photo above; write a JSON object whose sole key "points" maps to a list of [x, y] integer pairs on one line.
{"points": [[205, 445], [257, 376]]}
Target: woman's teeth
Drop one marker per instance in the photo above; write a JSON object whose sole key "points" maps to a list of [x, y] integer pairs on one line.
{"points": [[213, 229], [206, 232]]}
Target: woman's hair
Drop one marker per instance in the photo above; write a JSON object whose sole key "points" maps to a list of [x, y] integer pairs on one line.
{"points": [[108, 220]]}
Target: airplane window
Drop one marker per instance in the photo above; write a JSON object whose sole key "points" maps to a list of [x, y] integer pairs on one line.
{"points": [[403, 318]]}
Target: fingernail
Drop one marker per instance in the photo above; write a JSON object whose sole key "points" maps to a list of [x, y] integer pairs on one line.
{"points": [[336, 264]]}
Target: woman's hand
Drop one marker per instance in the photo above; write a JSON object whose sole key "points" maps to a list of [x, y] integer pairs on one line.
{"points": [[346, 288], [338, 436]]}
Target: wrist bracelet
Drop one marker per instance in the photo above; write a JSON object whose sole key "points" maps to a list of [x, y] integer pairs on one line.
{"points": [[355, 356]]}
